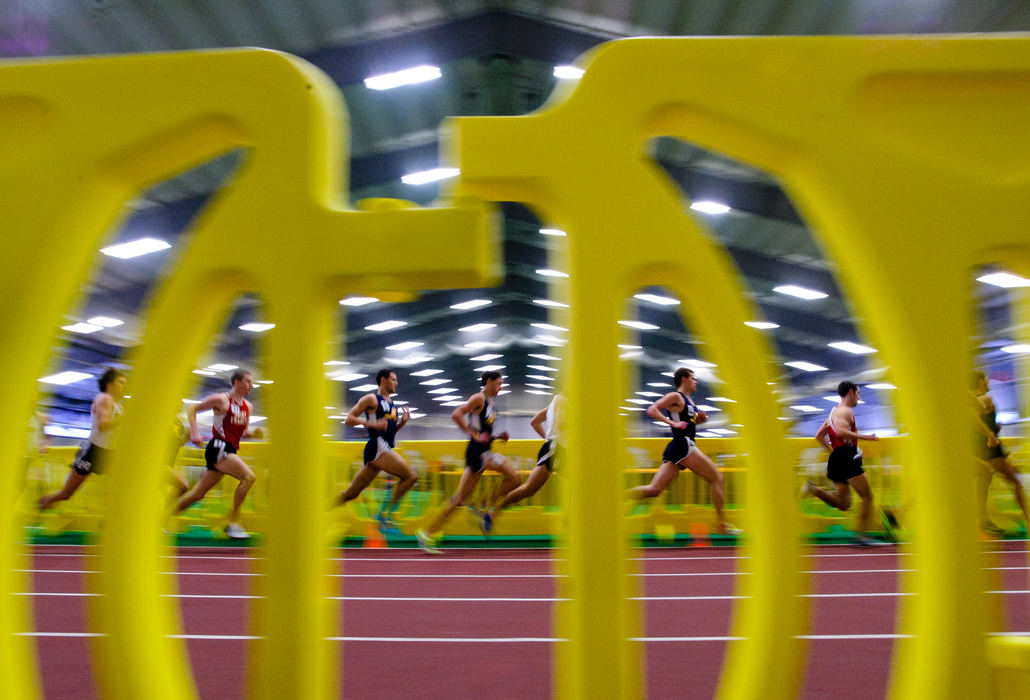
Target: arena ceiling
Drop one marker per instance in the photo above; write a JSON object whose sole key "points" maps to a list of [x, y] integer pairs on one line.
{"points": [[495, 58]]}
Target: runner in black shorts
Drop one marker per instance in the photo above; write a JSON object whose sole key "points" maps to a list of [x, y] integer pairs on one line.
{"points": [[478, 456], [838, 433], [677, 410], [548, 424], [378, 413], [991, 453]]}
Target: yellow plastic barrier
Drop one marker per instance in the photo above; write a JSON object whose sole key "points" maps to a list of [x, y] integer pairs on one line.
{"points": [[909, 158], [79, 138]]}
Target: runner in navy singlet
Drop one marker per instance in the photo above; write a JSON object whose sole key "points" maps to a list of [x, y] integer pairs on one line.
{"points": [[378, 413], [230, 423], [479, 457], [839, 434], [677, 410], [991, 454]]}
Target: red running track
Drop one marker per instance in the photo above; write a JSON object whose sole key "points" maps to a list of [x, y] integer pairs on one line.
{"points": [[477, 623]]}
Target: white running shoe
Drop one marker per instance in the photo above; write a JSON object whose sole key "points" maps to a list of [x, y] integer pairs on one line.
{"points": [[426, 542], [728, 529], [236, 532]]}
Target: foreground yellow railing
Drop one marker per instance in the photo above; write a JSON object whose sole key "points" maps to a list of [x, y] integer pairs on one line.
{"points": [[893, 149]]}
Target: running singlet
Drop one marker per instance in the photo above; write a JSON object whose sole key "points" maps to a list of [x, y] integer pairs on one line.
{"points": [[102, 438], [231, 425], [483, 422], [688, 414], [384, 409], [835, 439]]}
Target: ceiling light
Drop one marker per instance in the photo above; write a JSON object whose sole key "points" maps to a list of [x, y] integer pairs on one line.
{"points": [[476, 344], [800, 292], [662, 384], [426, 372], [807, 409], [264, 381], [537, 391], [451, 397], [853, 348], [642, 402], [1017, 349], [441, 390], [548, 327], [631, 347], [257, 327], [657, 299], [386, 326], [358, 301], [551, 358], [632, 408], [630, 354], [485, 358], [409, 360], [424, 177], [65, 378], [544, 272], [348, 377], [82, 328], [105, 321], [880, 385], [648, 393], [806, 366], [762, 325], [549, 340], [435, 382], [489, 368], [204, 372], [503, 391], [552, 232], [568, 72], [458, 403], [720, 399], [399, 347], [709, 409], [333, 363], [539, 386], [476, 327], [706, 206], [133, 249], [639, 325], [364, 387], [542, 368], [220, 367], [408, 76], [471, 304], [551, 303], [404, 403], [541, 377], [1004, 279]]}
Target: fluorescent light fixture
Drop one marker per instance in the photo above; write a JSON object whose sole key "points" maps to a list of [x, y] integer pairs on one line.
{"points": [[82, 328], [358, 301], [552, 232], [441, 390], [660, 384], [189, 401], [400, 347], [804, 408], [337, 417], [639, 325], [537, 391], [832, 399], [404, 403], [435, 382], [105, 321], [409, 360], [257, 327], [544, 272], [63, 431], [853, 348], [65, 378], [502, 392], [408, 76], [706, 206], [630, 354], [221, 367], [881, 385], [568, 72], [204, 372], [657, 299], [1017, 349], [364, 387], [1004, 279], [800, 292], [426, 372], [632, 408], [806, 366], [476, 327], [762, 325], [648, 393], [486, 358], [386, 326], [471, 304], [551, 303], [539, 386], [549, 340], [631, 347], [350, 377], [134, 249], [450, 397], [709, 409], [264, 381], [542, 368], [488, 368], [642, 402], [541, 377], [549, 327], [334, 363], [456, 403], [476, 344], [550, 358], [697, 363], [720, 399], [424, 177]]}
